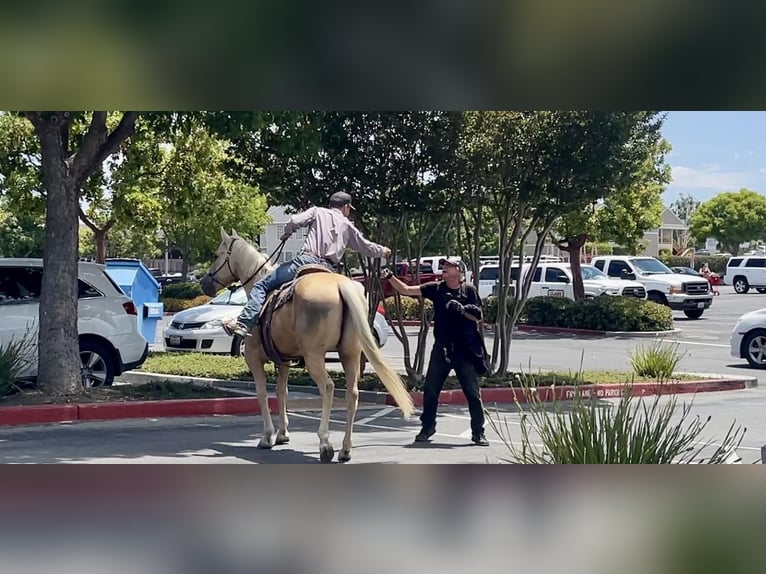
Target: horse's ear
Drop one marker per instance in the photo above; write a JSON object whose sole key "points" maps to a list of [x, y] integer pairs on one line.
{"points": [[234, 233], [223, 234]]}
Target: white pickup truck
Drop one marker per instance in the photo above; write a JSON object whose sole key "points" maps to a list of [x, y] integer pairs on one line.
{"points": [[679, 292], [555, 280]]}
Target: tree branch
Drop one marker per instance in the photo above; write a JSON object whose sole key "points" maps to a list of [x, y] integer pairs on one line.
{"points": [[86, 221], [97, 146]]}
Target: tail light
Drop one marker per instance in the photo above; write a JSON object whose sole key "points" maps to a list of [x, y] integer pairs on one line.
{"points": [[130, 308]]}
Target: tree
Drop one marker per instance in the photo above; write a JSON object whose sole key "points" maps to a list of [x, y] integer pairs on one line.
{"points": [[626, 207], [732, 218], [684, 207], [535, 167], [394, 165], [66, 163], [22, 233]]}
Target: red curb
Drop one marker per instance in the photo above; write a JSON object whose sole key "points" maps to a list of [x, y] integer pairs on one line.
{"points": [[45, 414], [37, 414], [549, 394]]}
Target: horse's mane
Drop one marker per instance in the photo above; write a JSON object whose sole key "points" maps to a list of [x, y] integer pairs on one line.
{"points": [[251, 259]]}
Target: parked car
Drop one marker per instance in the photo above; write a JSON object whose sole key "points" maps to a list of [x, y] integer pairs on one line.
{"points": [[200, 329], [555, 279], [748, 338], [686, 271], [107, 323], [680, 292], [746, 272]]}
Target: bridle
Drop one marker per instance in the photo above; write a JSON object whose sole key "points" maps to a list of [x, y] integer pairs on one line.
{"points": [[227, 263]]}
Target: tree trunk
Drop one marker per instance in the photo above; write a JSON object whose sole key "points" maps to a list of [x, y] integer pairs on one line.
{"points": [[573, 246], [99, 236], [59, 357]]}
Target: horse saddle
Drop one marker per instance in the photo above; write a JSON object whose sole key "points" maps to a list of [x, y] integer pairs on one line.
{"points": [[275, 301]]}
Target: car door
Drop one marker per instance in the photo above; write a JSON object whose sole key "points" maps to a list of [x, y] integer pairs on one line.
{"points": [[487, 278], [19, 311], [616, 268], [558, 282], [756, 271]]}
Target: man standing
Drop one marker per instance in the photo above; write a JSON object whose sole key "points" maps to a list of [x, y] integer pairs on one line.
{"points": [[457, 344], [330, 232]]}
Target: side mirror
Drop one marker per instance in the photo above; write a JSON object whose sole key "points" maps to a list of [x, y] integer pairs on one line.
{"points": [[628, 275]]}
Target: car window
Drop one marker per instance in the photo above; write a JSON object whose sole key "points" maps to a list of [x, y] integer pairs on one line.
{"points": [[616, 267], [555, 275], [538, 275], [84, 290], [599, 265], [20, 284], [755, 263], [489, 274], [735, 262]]}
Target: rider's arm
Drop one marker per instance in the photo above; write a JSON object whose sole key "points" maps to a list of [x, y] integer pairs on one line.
{"points": [[360, 244], [302, 219]]}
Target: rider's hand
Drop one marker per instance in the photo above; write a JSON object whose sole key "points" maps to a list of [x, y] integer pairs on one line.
{"points": [[285, 236], [386, 252]]}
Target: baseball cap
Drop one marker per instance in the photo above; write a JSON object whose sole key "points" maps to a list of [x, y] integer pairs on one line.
{"points": [[340, 198], [454, 261]]}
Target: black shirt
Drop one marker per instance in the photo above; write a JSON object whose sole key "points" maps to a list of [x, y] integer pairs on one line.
{"points": [[449, 326]]}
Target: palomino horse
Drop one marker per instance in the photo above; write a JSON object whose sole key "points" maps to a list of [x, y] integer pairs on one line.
{"points": [[326, 313]]}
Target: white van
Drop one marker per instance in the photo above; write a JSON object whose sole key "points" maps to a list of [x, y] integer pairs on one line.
{"points": [[548, 280]]}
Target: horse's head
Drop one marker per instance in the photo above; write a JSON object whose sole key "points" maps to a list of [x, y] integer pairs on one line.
{"points": [[221, 272]]}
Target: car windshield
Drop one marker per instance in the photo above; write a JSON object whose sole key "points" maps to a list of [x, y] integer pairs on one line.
{"points": [[589, 272], [237, 297], [650, 266]]}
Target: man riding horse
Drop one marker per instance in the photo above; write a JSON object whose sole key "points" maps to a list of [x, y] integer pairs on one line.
{"points": [[330, 232]]}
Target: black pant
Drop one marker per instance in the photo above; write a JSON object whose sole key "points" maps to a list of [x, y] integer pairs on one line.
{"points": [[438, 369]]}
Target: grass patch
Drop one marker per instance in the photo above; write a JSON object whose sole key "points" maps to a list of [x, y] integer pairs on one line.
{"points": [[165, 390], [234, 368]]}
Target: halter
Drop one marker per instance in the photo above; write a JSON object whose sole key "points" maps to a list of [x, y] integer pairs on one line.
{"points": [[227, 263]]}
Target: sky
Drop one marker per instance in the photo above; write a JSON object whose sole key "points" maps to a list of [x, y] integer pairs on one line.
{"points": [[715, 152]]}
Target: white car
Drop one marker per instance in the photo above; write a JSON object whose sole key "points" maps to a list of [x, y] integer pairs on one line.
{"points": [[200, 329], [748, 338], [107, 322], [597, 283], [745, 273]]}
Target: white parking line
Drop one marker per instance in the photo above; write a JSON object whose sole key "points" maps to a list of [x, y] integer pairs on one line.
{"points": [[703, 344], [381, 427], [377, 415]]}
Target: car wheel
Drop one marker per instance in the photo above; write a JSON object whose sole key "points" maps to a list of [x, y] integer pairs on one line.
{"points": [[238, 346], [694, 313], [741, 285], [97, 361], [754, 345], [658, 298]]}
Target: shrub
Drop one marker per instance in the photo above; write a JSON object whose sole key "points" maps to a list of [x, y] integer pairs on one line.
{"points": [[549, 311], [605, 313], [15, 357], [659, 361], [175, 305], [411, 308], [608, 313], [490, 308], [634, 431], [190, 290]]}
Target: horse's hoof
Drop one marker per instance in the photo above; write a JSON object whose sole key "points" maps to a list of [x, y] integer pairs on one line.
{"points": [[344, 456], [282, 439], [265, 444], [326, 453]]}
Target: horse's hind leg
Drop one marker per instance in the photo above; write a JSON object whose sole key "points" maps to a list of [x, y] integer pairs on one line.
{"points": [[351, 364], [283, 437], [315, 365]]}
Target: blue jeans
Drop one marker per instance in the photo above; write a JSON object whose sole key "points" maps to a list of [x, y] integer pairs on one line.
{"points": [[282, 274]]}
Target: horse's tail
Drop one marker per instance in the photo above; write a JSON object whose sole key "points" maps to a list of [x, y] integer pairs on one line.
{"points": [[357, 309]]}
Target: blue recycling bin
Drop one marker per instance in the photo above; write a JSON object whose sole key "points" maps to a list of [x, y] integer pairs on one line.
{"points": [[140, 285]]}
